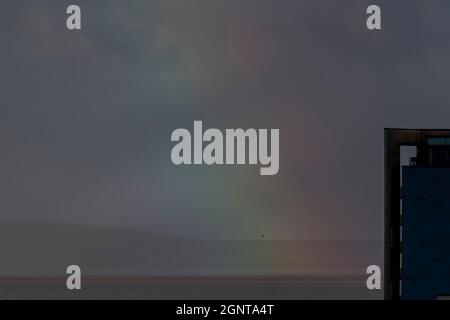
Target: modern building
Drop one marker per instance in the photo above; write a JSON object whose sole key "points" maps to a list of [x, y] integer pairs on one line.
{"points": [[417, 215]]}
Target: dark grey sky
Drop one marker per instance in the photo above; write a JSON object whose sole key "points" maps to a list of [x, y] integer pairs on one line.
{"points": [[86, 117]]}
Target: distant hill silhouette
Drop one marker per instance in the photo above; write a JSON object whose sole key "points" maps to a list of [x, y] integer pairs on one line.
{"points": [[45, 249]]}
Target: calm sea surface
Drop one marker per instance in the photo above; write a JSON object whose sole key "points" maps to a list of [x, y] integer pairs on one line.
{"points": [[192, 288]]}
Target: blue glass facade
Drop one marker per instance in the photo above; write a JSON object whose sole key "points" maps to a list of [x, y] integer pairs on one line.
{"points": [[425, 232]]}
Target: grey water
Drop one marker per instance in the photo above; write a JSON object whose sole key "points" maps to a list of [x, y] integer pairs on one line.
{"points": [[192, 289]]}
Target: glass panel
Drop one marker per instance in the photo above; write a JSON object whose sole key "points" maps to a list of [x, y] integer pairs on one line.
{"points": [[437, 141]]}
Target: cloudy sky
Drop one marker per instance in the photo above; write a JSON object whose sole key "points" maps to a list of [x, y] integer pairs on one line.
{"points": [[86, 117]]}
